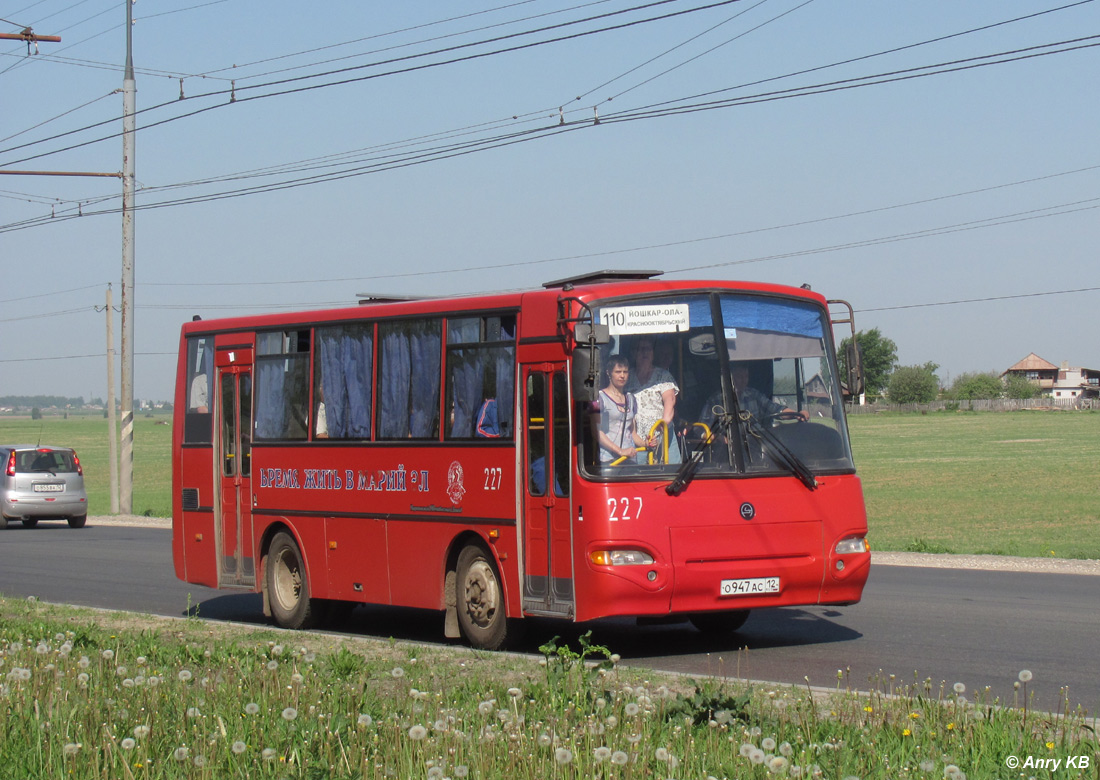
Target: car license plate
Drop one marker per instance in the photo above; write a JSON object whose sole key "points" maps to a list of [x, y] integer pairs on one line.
{"points": [[49, 487], [749, 587]]}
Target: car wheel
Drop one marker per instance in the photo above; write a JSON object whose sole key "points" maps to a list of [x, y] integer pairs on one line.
{"points": [[30, 522], [481, 613], [76, 522], [287, 584]]}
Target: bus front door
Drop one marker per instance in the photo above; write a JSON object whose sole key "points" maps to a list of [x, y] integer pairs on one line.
{"points": [[236, 565], [547, 516]]}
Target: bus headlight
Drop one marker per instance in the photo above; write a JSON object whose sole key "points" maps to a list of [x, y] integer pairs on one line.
{"points": [[851, 545], [620, 558]]}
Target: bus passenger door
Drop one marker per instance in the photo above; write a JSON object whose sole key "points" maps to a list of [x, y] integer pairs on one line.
{"points": [[547, 516], [236, 565]]}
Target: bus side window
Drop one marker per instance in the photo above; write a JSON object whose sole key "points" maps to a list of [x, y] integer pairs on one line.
{"points": [[198, 422]]}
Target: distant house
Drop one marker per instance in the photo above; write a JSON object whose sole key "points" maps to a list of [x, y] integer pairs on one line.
{"points": [[1057, 381]]}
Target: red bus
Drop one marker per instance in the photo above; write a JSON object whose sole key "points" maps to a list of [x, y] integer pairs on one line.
{"points": [[456, 455]]}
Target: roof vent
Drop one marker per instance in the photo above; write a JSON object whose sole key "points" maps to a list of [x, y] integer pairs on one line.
{"points": [[603, 277]]}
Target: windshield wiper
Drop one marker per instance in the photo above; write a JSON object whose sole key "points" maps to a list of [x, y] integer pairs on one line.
{"points": [[784, 453]]}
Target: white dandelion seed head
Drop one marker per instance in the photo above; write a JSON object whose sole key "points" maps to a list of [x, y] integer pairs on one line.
{"points": [[619, 758], [72, 748], [785, 749], [778, 765], [268, 754], [252, 708], [1025, 676], [746, 749], [42, 648], [108, 654], [272, 665], [927, 765], [364, 720], [181, 753], [601, 754], [757, 756], [296, 678], [277, 650], [128, 743], [632, 709], [959, 687], [515, 693], [417, 732], [185, 675], [545, 740], [193, 712], [462, 770], [661, 754], [83, 663], [239, 747], [486, 707], [141, 660], [200, 761], [563, 756], [397, 671], [612, 721], [141, 731], [289, 714], [435, 773], [767, 743]]}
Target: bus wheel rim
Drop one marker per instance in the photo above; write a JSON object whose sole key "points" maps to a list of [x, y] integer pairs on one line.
{"points": [[288, 580], [481, 594]]}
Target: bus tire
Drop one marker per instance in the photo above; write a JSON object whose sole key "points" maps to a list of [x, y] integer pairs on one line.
{"points": [[287, 585], [480, 599], [716, 623]]}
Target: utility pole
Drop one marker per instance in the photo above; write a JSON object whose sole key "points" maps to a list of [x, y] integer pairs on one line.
{"points": [[129, 121], [112, 418]]}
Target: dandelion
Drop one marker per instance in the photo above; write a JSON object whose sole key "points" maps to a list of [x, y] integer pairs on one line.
{"points": [[601, 754], [267, 754], [632, 709], [397, 671], [238, 747], [563, 756], [619, 758], [661, 754], [83, 663], [545, 740], [486, 707], [927, 765], [193, 712], [272, 665], [42, 648], [952, 772], [185, 675], [71, 749], [435, 773], [417, 732], [364, 720], [277, 650], [515, 693], [768, 744], [296, 678], [252, 708], [128, 744], [462, 770], [778, 765], [959, 688], [746, 749], [200, 761], [108, 654], [141, 660], [634, 739], [290, 714], [757, 756], [141, 731], [181, 753], [1025, 676], [906, 733], [83, 678], [785, 749], [127, 683]]}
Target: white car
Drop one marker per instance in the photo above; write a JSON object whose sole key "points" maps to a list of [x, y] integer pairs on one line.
{"points": [[41, 483]]}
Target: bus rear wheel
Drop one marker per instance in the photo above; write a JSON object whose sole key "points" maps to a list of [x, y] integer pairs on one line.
{"points": [[287, 586], [719, 622], [481, 613]]}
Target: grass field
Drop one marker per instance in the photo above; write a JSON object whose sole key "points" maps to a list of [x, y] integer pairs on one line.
{"points": [[1011, 483]]}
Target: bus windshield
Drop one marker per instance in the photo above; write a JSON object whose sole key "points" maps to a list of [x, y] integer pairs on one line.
{"points": [[729, 379]]}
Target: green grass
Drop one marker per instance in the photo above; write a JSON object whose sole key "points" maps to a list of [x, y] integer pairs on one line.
{"points": [[87, 434], [1013, 483], [90, 696]]}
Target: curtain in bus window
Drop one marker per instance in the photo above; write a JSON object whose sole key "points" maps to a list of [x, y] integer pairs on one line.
{"points": [[282, 393], [409, 379], [479, 375], [466, 383], [346, 359]]}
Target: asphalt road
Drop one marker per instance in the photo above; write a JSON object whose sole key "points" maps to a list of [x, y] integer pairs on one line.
{"points": [[973, 626]]}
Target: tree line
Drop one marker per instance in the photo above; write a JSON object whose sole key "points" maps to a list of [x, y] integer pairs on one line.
{"points": [[44, 401], [919, 384]]}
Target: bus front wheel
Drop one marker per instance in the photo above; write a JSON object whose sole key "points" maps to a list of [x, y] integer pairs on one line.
{"points": [[287, 586], [481, 613], [720, 622]]}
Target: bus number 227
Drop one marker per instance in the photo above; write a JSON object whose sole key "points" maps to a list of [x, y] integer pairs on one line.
{"points": [[492, 478], [620, 508]]}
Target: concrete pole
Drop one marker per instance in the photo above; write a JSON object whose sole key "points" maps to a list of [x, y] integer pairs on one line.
{"points": [[129, 122], [112, 415]]}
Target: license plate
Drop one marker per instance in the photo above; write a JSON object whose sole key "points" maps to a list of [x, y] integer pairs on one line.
{"points": [[49, 488], [749, 587]]}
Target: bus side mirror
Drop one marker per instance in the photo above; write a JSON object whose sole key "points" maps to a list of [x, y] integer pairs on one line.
{"points": [[854, 360], [586, 359]]}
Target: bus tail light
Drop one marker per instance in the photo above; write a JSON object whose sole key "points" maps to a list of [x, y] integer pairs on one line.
{"points": [[852, 545], [620, 558]]}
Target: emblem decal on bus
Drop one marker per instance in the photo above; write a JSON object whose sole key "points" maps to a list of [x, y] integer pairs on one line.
{"points": [[456, 489], [748, 511]]}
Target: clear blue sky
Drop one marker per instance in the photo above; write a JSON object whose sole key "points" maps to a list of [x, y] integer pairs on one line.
{"points": [[976, 189]]}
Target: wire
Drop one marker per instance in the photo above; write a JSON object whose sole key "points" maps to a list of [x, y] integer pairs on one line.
{"points": [[980, 300]]}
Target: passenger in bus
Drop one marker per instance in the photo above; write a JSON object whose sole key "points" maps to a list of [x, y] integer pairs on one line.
{"points": [[749, 399], [200, 394], [320, 427], [618, 434], [656, 391]]}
